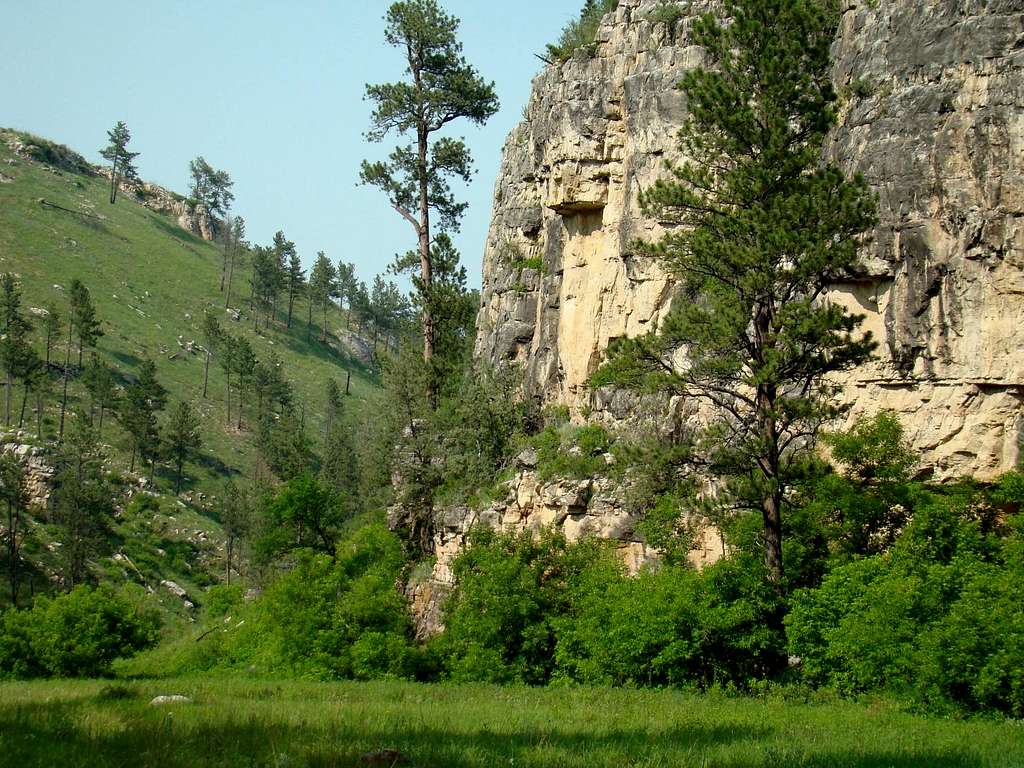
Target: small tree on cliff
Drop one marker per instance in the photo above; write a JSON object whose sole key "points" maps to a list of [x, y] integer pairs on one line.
{"points": [[210, 187], [121, 160], [762, 227], [440, 87]]}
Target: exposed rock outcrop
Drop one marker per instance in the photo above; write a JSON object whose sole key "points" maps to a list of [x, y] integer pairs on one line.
{"points": [[933, 116]]}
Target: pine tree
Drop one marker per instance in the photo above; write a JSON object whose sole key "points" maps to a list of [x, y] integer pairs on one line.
{"points": [[82, 505], [243, 365], [83, 315], [143, 399], [181, 438], [238, 245], [99, 381], [52, 327], [345, 282], [16, 353], [14, 492], [122, 161], [321, 286], [441, 87], [762, 228], [333, 410], [213, 335], [210, 188], [236, 521]]}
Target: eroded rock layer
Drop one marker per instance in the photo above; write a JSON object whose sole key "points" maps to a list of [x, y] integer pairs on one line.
{"points": [[932, 115]]}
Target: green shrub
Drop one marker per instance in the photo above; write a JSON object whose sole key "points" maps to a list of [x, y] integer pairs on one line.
{"points": [[510, 592], [221, 599], [571, 453], [673, 626], [938, 618], [669, 13], [326, 618], [78, 634], [579, 33]]}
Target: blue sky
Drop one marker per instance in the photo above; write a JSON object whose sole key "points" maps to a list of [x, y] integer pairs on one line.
{"points": [[271, 92]]}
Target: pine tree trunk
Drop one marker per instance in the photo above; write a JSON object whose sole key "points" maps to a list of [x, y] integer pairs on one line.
{"points": [[64, 397], [348, 381], [113, 181], [309, 322], [177, 482], [12, 553], [324, 330], [7, 399], [291, 302], [426, 271], [231, 272], [227, 568], [206, 373], [99, 430], [227, 380], [24, 402], [131, 465]]}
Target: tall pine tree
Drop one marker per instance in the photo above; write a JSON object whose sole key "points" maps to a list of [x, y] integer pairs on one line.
{"points": [[440, 87], [762, 227]]}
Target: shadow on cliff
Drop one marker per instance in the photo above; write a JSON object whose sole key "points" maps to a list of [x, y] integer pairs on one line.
{"points": [[106, 731]]}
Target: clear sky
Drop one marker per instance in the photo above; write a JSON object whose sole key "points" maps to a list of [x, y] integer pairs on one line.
{"points": [[271, 92]]}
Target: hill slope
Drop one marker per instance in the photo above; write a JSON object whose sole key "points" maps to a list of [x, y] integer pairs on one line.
{"points": [[151, 282]]}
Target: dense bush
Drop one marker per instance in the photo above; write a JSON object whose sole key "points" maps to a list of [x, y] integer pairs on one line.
{"points": [[939, 618], [326, 618], [673, 626], [511, 592], [532, 609], [78, 634]]}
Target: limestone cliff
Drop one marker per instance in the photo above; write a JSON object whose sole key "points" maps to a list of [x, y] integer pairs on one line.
{"points": [[933, 116]]}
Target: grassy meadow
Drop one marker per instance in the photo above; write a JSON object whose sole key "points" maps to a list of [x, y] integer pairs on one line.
{"points": [[239, 722]]}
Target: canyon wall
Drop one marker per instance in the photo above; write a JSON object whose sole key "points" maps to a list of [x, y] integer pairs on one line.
{"points": [[933, 116]]}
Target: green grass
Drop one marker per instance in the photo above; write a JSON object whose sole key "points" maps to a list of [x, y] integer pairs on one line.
{"points": [[232, 722], [151, 282]]}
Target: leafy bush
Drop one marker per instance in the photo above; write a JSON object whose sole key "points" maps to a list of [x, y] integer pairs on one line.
{"points": [[78, 634], [571, 453], [674, 626], [579, 33], [668, 12], [511, 590], [324, 619], [938, 618]]}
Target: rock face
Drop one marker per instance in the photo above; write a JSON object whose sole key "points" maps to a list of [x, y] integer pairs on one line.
{"points": [[585, 507], [933, 116]]}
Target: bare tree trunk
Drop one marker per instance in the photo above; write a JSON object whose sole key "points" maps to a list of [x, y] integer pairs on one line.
{"points": [[348, 381]]}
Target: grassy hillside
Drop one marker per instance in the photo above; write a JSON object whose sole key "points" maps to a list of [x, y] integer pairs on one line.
{"points": [[151, 282], [255, 723]]}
